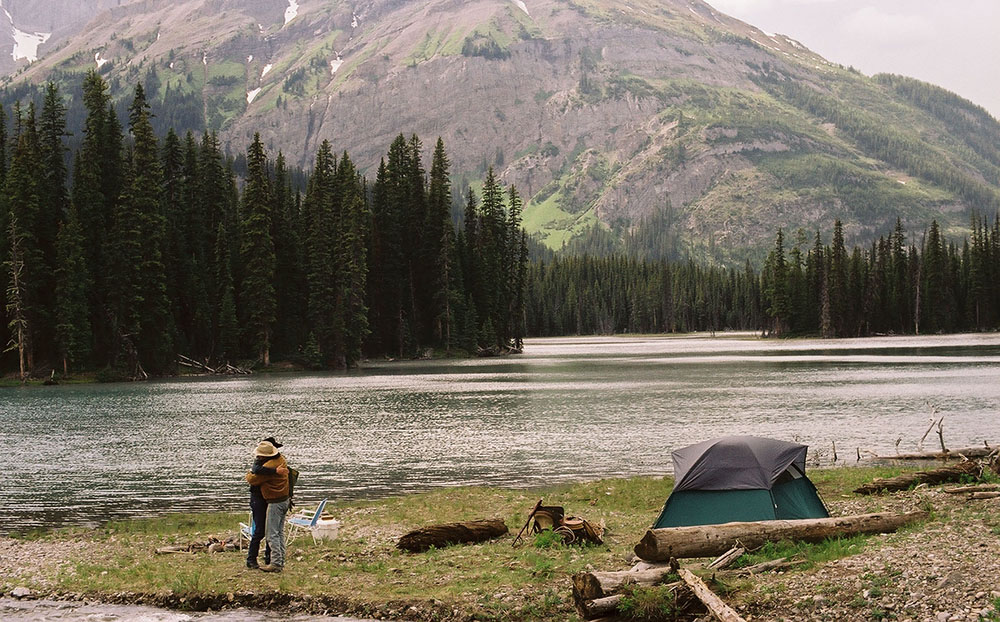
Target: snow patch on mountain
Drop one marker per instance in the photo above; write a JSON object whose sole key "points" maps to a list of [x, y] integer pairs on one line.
{"points": [[291, 11], [335, 64], [25, 43], [267, 68], [250, 59], [354, 20], [252, 94], [100, 61], [520, 4]]}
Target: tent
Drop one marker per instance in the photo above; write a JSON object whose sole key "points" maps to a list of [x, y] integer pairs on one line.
{"points": [[740, 478]]}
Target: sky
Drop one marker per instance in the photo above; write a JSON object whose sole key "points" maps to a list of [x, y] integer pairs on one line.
{"points": [[952, 43]]}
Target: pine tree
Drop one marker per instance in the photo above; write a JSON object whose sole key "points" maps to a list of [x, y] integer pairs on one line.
{"points": [[73, 334], [19, 324], [776, 276], [225, 325], [257, 252], [26, 222], [351, 261], [144, 324], [324, 314], [438, 239]]}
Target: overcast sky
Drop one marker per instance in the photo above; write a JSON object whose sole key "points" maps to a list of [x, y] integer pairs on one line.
{"points": [[951, 43]]}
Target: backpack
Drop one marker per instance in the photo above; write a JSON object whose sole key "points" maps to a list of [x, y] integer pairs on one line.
{"points": [[293, 478]]}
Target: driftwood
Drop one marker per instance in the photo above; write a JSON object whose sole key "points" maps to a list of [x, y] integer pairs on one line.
{"points": [[225, 369], [951, 454], [727, 558], [771, 565], [969, 468], [213, 545], [961, 490], [984, 495], [715, 605], [709, 540], [439, 536], [595, 585]]}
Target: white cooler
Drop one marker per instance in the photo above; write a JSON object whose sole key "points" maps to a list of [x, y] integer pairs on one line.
{"points": [[326, 529]]}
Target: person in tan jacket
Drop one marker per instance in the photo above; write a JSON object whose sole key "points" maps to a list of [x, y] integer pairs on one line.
{"points": [[274, 488]]}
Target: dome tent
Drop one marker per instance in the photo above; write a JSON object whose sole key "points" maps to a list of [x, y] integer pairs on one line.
{"points": [[740, 478]]}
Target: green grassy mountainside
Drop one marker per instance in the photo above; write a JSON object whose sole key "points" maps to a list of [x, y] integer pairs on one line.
{"points": [[611, 117]]}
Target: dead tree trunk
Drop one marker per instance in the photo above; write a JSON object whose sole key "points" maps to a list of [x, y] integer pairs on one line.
{"points": [[969, 468], [709, 540], [594, 585], [439, 536], [952, 454], [715, 605]]}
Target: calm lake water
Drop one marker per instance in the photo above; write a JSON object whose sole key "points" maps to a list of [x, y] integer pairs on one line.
{"points": [[567, 409]]}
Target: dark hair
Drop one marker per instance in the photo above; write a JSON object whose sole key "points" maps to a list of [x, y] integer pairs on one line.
{"points": [[270, 439]]}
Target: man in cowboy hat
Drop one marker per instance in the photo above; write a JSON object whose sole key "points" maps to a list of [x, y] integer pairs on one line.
{"points": [[272, 478], [258, 508]]}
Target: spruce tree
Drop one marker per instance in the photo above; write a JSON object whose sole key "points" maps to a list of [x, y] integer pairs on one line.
{"points": [[144, 326], [257, 254], [324, 315], [351, 261], [25, 222], [73, 334]]}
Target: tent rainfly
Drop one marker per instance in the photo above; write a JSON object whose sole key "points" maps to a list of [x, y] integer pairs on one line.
{"points": [[740, 478]]}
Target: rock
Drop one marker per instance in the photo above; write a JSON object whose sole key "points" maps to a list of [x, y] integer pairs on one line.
{"points": [[20, 592], [943, 616]]}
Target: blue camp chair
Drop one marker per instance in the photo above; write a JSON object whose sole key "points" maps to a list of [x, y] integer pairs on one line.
{"points": [[305, 520], [246, 531]]}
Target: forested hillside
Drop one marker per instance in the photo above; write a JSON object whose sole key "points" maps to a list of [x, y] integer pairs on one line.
{"points": [[155, 249], [656, 128]]}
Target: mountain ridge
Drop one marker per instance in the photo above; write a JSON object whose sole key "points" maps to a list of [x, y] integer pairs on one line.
{"points": [[602, 113]]}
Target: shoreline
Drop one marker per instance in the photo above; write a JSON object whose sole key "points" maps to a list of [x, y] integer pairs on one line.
{"points": [[362, 574]]}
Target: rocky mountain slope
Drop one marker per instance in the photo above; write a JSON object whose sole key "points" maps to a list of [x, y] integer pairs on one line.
{"points": [[601, 112]]}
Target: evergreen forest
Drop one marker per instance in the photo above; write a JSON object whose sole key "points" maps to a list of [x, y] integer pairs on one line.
{"points": [[895, 286], [137, 250], [146, 249]]}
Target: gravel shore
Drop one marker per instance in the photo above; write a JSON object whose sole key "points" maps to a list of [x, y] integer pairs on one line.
{"points": [[944, 570]]}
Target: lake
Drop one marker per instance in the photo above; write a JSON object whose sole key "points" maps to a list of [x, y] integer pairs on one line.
{"points": [[567, 409]]}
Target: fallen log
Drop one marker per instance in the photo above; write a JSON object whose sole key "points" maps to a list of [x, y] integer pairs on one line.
{"points": [[715, 605], [979, 488], [594, 585], [775, 564], [710, 540], [420, 540], [598, 607], [984, 495], [951, 454], [969, 468], [727, 558]]}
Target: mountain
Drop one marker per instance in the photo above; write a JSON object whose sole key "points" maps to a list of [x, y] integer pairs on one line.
{"points": [[30, 28], [662, 120]]}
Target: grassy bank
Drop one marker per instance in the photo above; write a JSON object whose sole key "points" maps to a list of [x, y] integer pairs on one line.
{"points": [[362, 573]]}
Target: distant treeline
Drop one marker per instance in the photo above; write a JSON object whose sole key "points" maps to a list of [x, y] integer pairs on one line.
{"points": [[893, 286], [153, 250]]}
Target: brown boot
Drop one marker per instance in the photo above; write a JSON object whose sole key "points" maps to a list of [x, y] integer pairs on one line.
{"points": [[270, 568]]}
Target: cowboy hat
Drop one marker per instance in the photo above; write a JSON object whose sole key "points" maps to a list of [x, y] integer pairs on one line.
{"points": [[265, 450]]}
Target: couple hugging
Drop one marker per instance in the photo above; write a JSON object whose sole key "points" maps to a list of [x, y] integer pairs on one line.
{"points": [[270, 498]]}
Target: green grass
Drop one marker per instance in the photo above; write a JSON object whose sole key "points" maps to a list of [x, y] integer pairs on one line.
{"points": [[809, 553], [492, 580]]}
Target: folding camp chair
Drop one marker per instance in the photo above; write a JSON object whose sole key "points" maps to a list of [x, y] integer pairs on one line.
{"points": [[305, 520], [246, 531]]}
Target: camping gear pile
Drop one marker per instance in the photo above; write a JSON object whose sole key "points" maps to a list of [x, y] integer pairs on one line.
{"points": [[553, 518]]}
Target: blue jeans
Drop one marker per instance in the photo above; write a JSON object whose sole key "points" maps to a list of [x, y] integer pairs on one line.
{"points": [[276, 511], [259, 509]]}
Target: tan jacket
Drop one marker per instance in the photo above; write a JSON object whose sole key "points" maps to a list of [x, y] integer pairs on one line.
{"points": [[274, 488]]}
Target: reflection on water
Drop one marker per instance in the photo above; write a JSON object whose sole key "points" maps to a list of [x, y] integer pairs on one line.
{"points": [[569, 408]]}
